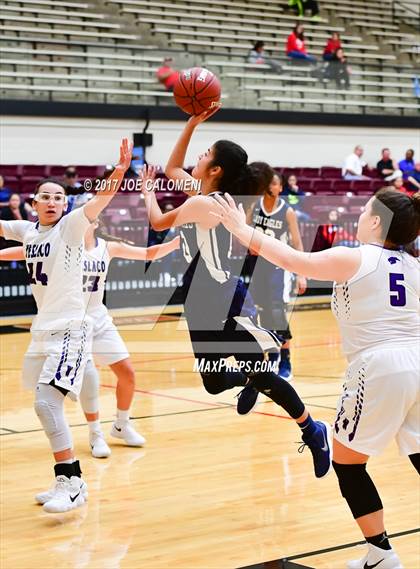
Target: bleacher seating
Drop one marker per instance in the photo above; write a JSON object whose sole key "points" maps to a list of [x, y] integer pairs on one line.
{"points": [[109, 52]]}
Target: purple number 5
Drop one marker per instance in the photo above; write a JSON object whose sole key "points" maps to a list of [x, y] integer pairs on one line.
{"points": [[399, 298]]}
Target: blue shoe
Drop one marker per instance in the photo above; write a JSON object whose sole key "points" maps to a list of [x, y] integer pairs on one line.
{"points": [[247, 399], [285, 370], [320, 445]]}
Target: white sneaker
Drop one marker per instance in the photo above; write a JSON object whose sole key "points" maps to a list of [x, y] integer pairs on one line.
{"points": [[377, 558], [68, 494], [98, 445], [126, 432], [43, 497]]}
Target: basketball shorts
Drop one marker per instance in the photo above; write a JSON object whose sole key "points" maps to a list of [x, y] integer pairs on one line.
{"points": [[380, 402], [58, 357], [108, 347]]}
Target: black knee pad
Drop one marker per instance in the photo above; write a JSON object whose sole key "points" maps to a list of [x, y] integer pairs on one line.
{"points": [[358, 489], [213, 382]]}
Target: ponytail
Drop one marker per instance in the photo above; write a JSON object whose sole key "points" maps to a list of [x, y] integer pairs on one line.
{"points": [[401, 212], [237, 177]]}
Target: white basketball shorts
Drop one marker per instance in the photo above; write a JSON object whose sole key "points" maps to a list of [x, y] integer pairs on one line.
{"points": [[108, 347], [58, 356], [380, 401]]}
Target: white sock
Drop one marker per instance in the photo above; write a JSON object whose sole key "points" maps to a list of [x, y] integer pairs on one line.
{"points": [[94, 427], [122, 416]]}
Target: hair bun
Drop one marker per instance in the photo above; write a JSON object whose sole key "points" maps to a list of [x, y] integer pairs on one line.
{"points": [[416, 201]]}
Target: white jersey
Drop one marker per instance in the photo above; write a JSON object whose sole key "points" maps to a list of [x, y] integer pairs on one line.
{"points": [[53, 256], [380, 304], [95, 270]]}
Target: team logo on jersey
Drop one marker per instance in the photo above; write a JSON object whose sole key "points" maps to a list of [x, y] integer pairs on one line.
{"points": [[392, 260]]}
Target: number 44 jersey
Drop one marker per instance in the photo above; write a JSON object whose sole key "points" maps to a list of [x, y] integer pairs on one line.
{"points": [[379, 305], [53, 256]]}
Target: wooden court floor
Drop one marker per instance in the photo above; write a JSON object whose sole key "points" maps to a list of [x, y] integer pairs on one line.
{"points": [[210, 490]]}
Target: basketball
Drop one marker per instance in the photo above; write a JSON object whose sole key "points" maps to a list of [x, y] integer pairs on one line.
{"points": [[197, 90]]}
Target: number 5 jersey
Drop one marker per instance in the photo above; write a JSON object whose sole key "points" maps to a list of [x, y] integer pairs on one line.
{"points": [[379, 305]]}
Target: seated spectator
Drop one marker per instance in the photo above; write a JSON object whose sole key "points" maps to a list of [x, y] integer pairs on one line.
{"points": [[331, 46], [398, 184], [70, 178], [302, 5], [257, 56], [295, 47], [338, 70], [407, 165], [15, 209], [5, 193], [413, 178], [387, 167], [353, 166], [294, 197], [166, 75]]}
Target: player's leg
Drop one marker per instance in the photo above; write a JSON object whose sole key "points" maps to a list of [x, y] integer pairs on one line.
{"points": [[67, 354], [379, 402], [126, 381], [109, 349], [70, 490], [89, 400], [362, 497], [207, 347], [262, 345]]}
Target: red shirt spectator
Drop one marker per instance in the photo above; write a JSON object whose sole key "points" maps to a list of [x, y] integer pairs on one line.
{"points": [[331, 46], [294, 43], [167, 75], [398, 184]]}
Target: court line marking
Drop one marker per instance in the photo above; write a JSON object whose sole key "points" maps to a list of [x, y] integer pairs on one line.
{"points": [[345, 546], [112, 420], [153, 393]]}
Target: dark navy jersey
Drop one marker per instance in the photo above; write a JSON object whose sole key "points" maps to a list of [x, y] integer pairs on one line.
{"points": [[274, 223], [211, 292], [207, 251]]}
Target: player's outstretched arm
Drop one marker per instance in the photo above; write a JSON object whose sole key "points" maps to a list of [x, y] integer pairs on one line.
{"points": [[338, 264], [175, 166], [97, 204], [124, 251], [194, 210], [12, 254]]}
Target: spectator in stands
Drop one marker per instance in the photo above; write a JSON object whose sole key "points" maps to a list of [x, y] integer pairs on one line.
{"points": [[302, 5], [16, 209], [331, 46], [257, 56], [387, 167], [407, 165], [294, 196], [70, 178], [5, 193], [413, 178], [295, 47], [338, 70], [398, 184], [167, 75], [76, 193], [353, 166]]}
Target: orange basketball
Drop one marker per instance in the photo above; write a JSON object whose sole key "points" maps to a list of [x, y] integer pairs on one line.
{"points": [[197, 90]]}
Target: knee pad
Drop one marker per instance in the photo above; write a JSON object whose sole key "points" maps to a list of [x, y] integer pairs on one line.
{"points": [[358, 489], [89, 394], [214, 383], [46, 416], [49, 406]]}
